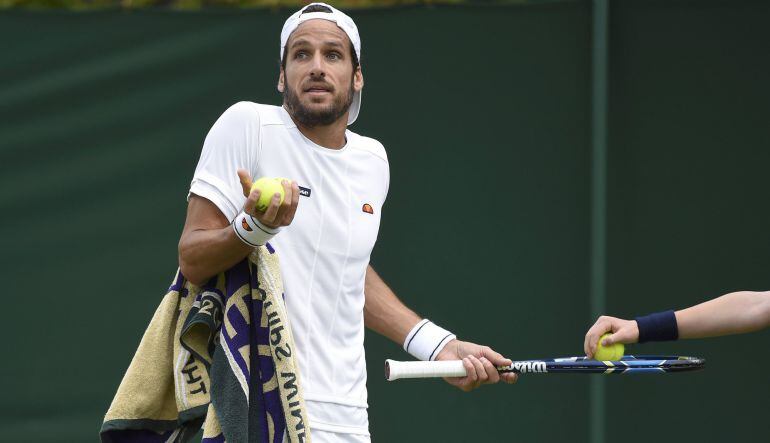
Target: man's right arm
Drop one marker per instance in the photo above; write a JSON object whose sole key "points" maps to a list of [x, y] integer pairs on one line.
{"points": [[209, 245]]}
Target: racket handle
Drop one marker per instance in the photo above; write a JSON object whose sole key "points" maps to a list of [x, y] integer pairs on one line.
{"points": [[423, 369]]}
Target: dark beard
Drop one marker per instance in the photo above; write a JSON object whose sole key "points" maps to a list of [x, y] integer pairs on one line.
{"points": [[323, 117]]}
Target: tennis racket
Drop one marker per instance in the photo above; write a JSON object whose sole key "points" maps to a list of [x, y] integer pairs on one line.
{"points": [[629, 364]]}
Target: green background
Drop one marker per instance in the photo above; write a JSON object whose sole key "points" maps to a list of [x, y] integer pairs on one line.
{"points": [[486, 115]]}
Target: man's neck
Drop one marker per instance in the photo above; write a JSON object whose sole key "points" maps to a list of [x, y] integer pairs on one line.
{"points": [[330, 136]]}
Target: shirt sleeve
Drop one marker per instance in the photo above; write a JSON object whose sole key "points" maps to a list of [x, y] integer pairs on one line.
{"points": [[232, 143]]}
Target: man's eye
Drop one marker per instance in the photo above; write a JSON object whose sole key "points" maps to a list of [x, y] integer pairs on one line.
{"points": [[334, 56], [300, 54]]}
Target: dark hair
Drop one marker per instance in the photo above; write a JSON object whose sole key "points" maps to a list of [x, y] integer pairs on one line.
{"points": [[317, 8], [322, 8]]}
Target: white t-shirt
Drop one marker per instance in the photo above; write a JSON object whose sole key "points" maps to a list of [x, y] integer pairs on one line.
{"points": [[325, 251]]}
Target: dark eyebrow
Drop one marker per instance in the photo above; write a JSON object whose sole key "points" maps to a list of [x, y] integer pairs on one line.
{"points": [[299, 42], [334, 43]]}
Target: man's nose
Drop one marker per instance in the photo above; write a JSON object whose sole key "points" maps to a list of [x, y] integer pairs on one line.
{"points": [[317, 69]]}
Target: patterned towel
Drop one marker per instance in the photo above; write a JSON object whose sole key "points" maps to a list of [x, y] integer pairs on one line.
{"points": [[220, 355]]}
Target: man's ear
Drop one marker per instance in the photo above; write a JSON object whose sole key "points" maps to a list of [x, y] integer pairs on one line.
{"points": [[358, 79], [281, 81]]}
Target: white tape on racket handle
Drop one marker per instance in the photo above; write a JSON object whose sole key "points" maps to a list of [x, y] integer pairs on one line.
{"points": [[423, 369]]}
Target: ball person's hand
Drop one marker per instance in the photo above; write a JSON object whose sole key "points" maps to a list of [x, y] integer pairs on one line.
{"points": [[623, 331], [277, 214], [480, 363]]}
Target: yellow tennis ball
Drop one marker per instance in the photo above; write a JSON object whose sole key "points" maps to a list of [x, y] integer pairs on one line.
{"points": [[268, 187], [611, 352]]}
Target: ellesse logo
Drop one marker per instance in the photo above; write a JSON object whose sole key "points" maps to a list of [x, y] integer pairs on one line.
{"points": [[368, 208], [245, 225]]}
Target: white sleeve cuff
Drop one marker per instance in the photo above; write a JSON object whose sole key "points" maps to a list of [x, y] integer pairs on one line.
{"points": [[227, 203], [426, 340]]}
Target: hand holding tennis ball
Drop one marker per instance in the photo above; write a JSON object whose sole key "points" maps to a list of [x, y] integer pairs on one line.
{"points": [[623, 331], [268, 187], [608, 353], [286, 198]]}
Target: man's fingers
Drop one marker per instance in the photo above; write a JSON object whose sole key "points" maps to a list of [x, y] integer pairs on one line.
{"points": [[609, 340], [603, 324], [287, 194], [272, 210], [624, 334], [586, 346], [294, 203], [589, 345], [496, 358], [492, 375], [509, 377], [593, 341], [470, 369], [480, 364], [475, 374], [481, 373], [245, 179], [251, 202], [286, 214], [469, 382], [589, 341]]}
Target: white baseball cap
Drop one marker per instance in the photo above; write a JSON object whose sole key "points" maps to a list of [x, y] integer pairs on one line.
{"points": [[344, 22]]}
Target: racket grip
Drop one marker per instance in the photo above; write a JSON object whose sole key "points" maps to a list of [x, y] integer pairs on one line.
{"points": [[423, 369]]}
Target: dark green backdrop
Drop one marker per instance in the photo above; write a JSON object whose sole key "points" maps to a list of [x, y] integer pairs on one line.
{"points": [[102, 116]]}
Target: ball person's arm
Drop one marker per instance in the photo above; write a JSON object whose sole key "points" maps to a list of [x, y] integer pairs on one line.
{"points": [[733, 313], [385, 314], [208, 245]]}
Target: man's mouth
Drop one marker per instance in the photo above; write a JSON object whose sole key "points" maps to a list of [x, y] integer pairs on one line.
{"points": [[317, 90]]}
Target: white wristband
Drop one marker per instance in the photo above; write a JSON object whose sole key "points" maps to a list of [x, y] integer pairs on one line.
{"points": [[426, 340], [251, 231]]}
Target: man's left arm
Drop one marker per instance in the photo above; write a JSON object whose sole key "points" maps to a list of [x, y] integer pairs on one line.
{"points": [[386, 315]]}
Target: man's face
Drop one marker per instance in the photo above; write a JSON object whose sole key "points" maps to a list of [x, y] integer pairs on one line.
{"points": [[318, 81]]}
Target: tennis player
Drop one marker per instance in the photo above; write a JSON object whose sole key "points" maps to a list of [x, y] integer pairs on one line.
{"points": [[734, 313], [324, 231]]}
